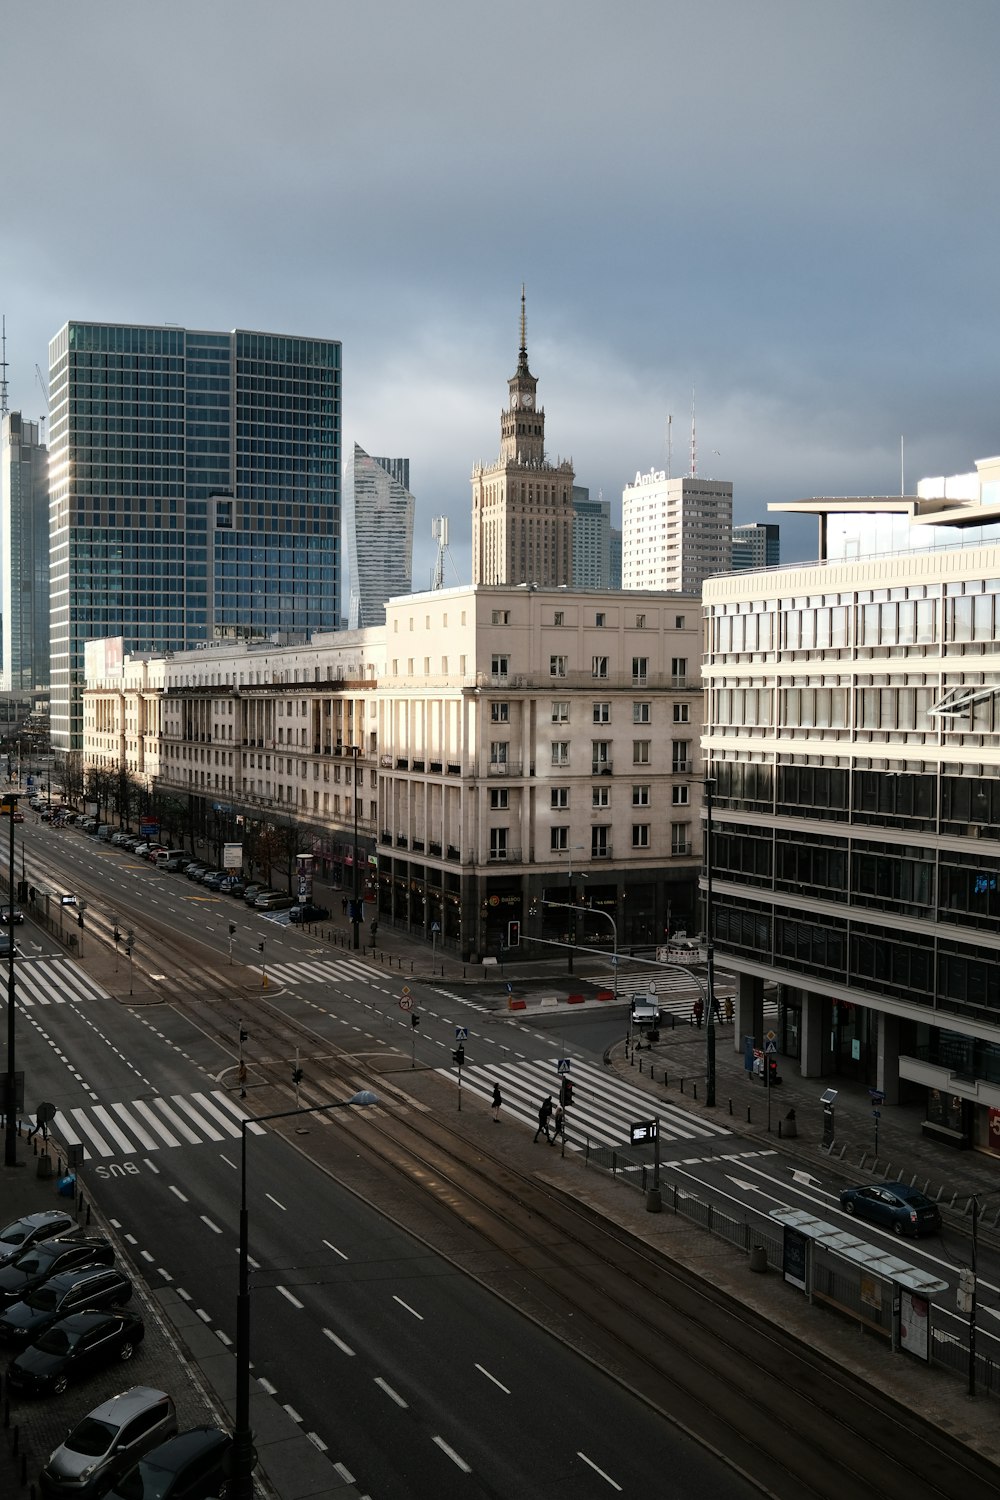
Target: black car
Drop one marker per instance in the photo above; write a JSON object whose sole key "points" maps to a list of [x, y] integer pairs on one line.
{"points": [[75, 1347], [23, 1233], [47, 1258], [190, 1466], [895, 1205], [308, 913], [57, 1298], [11, 915]]}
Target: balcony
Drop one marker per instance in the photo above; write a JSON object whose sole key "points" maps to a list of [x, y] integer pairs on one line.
{"points": [[454, 770], [681, 767], [402, 842], [505, 856], [678, 851], [385, 837], [504, 768], [402, 763], [417, 765], [385, 761], [435, 768], [417, 846], [454, 853], [602, 768], [434, 848]]}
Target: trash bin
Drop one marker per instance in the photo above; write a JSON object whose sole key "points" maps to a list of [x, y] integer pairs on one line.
{"points": [[66, 1187]]}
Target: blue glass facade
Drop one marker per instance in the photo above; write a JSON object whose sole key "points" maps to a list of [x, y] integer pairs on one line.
{"points": [[195, 492]]}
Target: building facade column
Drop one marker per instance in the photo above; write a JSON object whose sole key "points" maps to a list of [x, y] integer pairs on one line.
{"points": [[811, 1059], [749, 1018], [888, 1056]]}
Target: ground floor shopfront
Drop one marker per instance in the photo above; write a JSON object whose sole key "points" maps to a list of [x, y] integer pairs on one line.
{"points": [[479, 912], [956, 1077]]}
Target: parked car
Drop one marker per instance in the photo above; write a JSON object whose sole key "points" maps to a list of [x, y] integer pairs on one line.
{"points": [[253, 891], [273, 901], [14, 915], [70, 1292], [227, 885], [21, 1234], [38, 1262], [213, 879], [170, 865], [196, 870], [73, 1348], [308, 913], [191, 1466], [109, 1440], [6, 944], [140, 849], [237, 888], [894, 1205]]}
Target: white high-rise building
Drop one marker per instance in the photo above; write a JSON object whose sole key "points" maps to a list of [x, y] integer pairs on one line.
{"points": [[675, 532], [379, 510]]}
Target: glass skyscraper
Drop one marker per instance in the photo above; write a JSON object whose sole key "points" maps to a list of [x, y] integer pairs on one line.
{"points": [[24, 555], [379, 534], [194, 492]]}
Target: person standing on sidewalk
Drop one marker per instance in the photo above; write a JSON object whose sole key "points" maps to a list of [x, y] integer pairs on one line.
{"points": [[698, 1010], [544, 1114], [497, 1104]]}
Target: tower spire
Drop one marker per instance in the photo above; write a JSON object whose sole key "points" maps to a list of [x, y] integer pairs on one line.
{"points": [[3, 368], [522, 353]]}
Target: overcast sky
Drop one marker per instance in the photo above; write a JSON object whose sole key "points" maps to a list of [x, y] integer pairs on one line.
{"points": [[790, 205]]}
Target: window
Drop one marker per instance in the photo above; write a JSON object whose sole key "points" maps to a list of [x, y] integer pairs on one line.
{"points": [[558, 839], [560, 752], [499, 799], [602, 713], [498, 843], [599, 618], [600, 842], [680, 838], [500, 713], [560, 796], [640, 835], [640, 713], [640, 752], [678, 622], [599, 666], [601, 754], [679, 667], [500, 666], [640, 670], [680, 752], [498, 752], [640, 796], [557, 666], [601, 796], [640, 622], [679, 796], [501, 617], [682, 713], [560, 712], [559, 618]]}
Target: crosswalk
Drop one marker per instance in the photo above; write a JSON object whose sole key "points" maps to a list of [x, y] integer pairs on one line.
{"points": [[150, 1124], [323, 971], [53, 981], [603, 1108]]}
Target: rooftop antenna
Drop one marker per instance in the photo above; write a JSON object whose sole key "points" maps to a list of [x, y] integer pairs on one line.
{"points": [[522, 354], [694, 441], [902, 467], [439, 531], [670, 444], [3, 369]]}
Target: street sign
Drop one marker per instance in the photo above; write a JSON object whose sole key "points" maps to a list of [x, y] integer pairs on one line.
{"points": [[435, 927], [770, 1046], [405, 990], [614, 960], [406, 1002], [652, 986], [642, 1131], [461, 1033], [562, 1066], [877, 1096]]}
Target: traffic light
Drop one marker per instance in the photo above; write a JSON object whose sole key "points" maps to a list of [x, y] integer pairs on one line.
{"points": [[260, 946], [459, 1054], [565, 1093], [244, 1034], [513, 934], [232, 929], [414, 1019], [296, 1075]]}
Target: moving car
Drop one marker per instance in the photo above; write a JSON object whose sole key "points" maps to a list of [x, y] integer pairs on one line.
{"points": [[37, 1262], [894, 1205], [73, 1348], [23, 1233], [107, 1442], [9, 915], [70, 1292], [190, 1466]]}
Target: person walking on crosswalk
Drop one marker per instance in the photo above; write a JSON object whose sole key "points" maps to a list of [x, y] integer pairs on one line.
{"points": [[544, 1115], [497, 1104]]}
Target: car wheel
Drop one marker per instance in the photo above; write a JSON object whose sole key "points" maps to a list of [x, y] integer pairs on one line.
{"points": [[59, 1385], [897, 1228], [849, 1206], [126, 1352]]}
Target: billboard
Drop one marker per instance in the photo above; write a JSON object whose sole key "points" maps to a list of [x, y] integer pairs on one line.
{"points": [[232, 856]]}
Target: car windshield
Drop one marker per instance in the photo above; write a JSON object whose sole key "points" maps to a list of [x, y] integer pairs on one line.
{"points": [[56, 1341], [92, 1437], [43, 1298], [29, 1261], [13, 1234]]}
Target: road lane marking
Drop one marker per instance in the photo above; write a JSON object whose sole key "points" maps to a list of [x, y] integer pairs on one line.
{"points": [[317, 1441], [293, 1414], [286, 1293], [344, 1348], [213, 1227], [275, 1202], [266, 1386], [483, 1371], [596, 1470], [409, 1309], [393, 1395], [456, 1458], [179, 1194], [334, 1249]]}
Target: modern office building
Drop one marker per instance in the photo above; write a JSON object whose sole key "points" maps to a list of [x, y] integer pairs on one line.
{"points": [[591, 541], [615, 559], [853, 734], [522, 505], [24, 555], [675, 532], [194, 492], [379, 510], [756, 545]]}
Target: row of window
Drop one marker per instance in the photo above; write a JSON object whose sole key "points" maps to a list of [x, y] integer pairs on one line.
{"points": [[600, 840]]}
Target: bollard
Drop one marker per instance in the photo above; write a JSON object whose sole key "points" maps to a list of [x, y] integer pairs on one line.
{"points": [[640, 1065], [696, 1091], [682, 1085], [730, 1106], [748, 1114]]}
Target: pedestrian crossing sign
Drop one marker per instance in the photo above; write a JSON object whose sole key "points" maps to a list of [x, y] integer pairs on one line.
{"points": [[562, 1065]]}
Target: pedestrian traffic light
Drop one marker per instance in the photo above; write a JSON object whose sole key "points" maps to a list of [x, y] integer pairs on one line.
{"points": [[244, 1034], [260, 946], [459, 1054], [513, 934], [565, 1093], [296, 1075], [232, 929], [414, 1019]]}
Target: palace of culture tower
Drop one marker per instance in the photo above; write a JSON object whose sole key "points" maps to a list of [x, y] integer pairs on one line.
{"points": [[522, 506]]}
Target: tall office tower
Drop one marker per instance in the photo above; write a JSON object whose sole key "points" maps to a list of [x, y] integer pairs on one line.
{"points": [[24, 555], [756, 545], [615, 559], [379, 510], [675, 532], [591, 541], [194, 492], [522, 506]]}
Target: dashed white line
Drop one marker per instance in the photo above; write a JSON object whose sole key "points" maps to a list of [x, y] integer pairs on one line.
{"points": [[456, 1458], [335, 1250], [393, 1395], [178, 1193], [266, 1386], [203, 1315], [344, 1348], [292, 1413], [182, 1293], [213, 1227], [483, 1371], [276, 1203], [286, 1293], [344, 1473], [596, 1470], [409, 1309], [317, 1441], [223, 1337], [145, 1255]]}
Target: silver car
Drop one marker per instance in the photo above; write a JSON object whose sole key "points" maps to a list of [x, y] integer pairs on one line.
{"points": [[108, 1441]]}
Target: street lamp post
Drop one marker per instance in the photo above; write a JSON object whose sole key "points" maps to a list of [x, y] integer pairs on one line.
{"points": [[355, 751], [595, 911], [569, 850], [241, 1480], [709, 950]]}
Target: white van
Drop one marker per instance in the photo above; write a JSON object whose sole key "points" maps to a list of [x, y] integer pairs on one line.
{"points": [[167, 854]]}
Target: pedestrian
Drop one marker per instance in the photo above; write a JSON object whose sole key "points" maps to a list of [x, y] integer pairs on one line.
{"points": [[544, 1115], [343, 906], [716, 1012], [559, 1127], [729, 1010], [698, 1010], [497, 1104]]}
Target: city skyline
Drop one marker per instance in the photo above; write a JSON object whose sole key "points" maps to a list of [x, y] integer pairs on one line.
{"points": [[758, 209]]}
